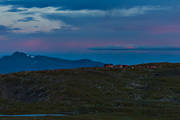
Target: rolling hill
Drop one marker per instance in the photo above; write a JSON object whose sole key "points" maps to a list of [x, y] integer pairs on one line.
{"points": [[153, 94]]}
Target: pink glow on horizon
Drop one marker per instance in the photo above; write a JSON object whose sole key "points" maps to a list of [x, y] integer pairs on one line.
{"points": [[44, 45], [174, 28], [130, 47], [34, 44], [48, 45], [2, 37]]}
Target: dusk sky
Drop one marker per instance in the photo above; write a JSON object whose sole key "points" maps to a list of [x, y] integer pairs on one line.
{"points": [[111, 31]]}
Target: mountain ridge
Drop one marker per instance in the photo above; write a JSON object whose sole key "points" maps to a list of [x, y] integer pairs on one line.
{"points": [[20, 61]]}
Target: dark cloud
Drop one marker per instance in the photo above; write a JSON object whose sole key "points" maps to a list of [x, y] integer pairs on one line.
{"points": [[16, 9], [4, 29], [27, 19], [88, 4]]}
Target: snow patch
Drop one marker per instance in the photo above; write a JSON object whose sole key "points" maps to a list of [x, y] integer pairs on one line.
{"points": [[31, 56]]}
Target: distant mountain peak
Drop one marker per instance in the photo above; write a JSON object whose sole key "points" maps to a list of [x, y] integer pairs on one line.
{"points": [[19, 54], [22, 54], [20, 61]]}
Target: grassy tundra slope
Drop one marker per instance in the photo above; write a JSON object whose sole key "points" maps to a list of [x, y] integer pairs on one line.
{"points": [[95, 93]]}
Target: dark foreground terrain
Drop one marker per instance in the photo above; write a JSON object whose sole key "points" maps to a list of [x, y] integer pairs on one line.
{"points": [[94, 93]]}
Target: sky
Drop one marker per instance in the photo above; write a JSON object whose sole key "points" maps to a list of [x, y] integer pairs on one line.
{"points": [[111, 31]]}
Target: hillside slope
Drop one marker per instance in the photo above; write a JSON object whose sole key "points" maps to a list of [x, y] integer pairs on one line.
{"points": [[151, 92]]}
